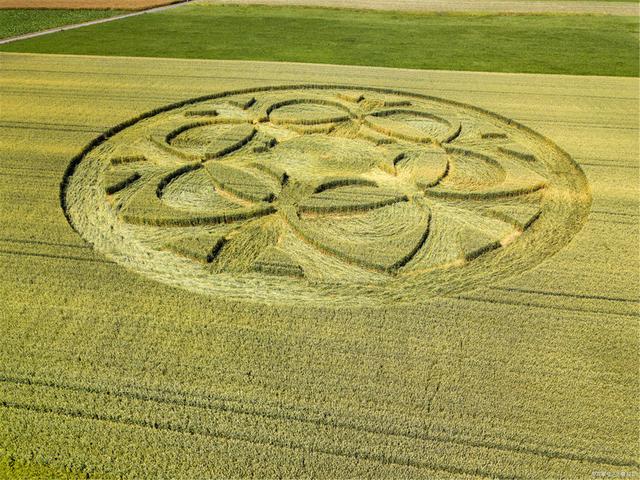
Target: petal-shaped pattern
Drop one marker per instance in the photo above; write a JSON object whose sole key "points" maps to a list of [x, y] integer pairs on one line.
{"points": [[349, 195], [470, 170], [128, 153], [414, 125], [202, 247], [243, 101], [458, 234], [276, 261], [493, 141], [474, 175], [211, 140], [308, 111], [315, 157], [374, 136], [194, 191], [128, 170], [424, 167], [119, 179], [383, 239], [146, 205], [250, 186], [246, 245], [521, 216], [236, 109]]}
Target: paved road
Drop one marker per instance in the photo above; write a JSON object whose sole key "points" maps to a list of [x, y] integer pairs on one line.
{"points": [[487, 6], [92, 22]]}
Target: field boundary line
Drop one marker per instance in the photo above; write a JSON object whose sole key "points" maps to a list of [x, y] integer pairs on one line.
{"points": [[48, 124], [607, 165], [298, 416], [541, 306], [50, 129], [573, 295], [60, 257], [604, 220], [42, 242], [73, 26], [45, 177], [573, 124], [625, 214]]}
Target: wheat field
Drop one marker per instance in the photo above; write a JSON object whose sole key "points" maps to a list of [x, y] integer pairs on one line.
{"points": [[289, 270]]}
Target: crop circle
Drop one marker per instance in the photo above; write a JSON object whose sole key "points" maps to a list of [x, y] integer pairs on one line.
{"points": [[358, 195]]}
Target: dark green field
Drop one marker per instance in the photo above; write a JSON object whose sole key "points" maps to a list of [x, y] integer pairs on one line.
{"points": [[20, 21], [562, 44]]}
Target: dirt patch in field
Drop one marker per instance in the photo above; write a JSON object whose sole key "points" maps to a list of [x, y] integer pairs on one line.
{"points": [[107, 4], [483, 6]]}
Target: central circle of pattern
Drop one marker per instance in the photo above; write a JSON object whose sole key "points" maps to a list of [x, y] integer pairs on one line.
{"points": [[303, 192]]}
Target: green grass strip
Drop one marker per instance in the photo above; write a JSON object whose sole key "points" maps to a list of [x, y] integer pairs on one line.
{"points": [[19, 21], [562, 44]]}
